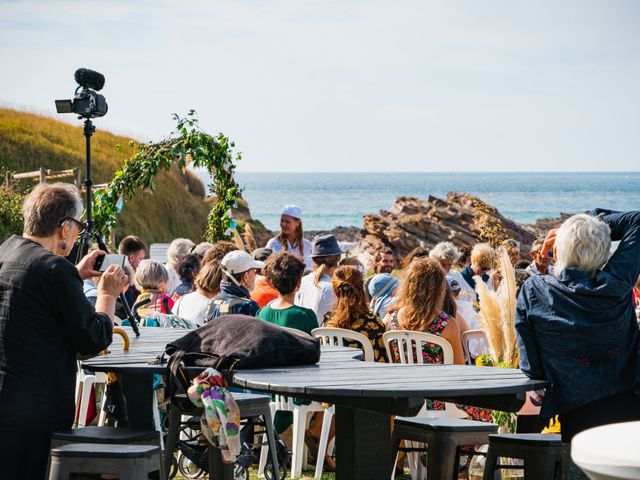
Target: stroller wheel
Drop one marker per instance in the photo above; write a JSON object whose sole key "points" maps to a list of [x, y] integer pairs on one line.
{"points": [[269, 474], [187, 468], [240, 473]]}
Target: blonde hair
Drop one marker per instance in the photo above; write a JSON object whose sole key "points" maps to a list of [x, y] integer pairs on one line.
{"points": [[47, 205], [150, 275], [322, 265], [483, 255], [582, 242], [209, 277], [422, 294]]}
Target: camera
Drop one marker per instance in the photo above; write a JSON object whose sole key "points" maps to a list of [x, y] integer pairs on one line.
{"points": [[87, 102]]}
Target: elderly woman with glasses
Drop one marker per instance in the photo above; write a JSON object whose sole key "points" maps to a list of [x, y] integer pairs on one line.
{"points": [[577, 329], [45, 322]]}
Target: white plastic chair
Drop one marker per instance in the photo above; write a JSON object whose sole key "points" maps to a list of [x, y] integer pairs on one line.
{"points": [[300, 417], [409, 346], [474, 344], [337, 336], [84, 384]]}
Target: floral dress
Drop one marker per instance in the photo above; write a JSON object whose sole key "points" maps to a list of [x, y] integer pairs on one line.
{"points": [[432, 353], [371, 327]]}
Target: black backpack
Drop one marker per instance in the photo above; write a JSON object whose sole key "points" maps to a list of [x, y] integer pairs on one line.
{"points": [[235, 342]]}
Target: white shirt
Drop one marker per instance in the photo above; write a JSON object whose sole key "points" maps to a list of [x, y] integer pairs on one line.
{"points": [[319, 298], [275, 245], [174, 280], [532, 269], [192, 306]]}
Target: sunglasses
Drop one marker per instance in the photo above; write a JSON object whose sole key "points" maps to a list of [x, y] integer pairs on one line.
{"points": [[82, 225]]}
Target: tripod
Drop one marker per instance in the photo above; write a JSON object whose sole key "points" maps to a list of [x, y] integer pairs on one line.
{"points": [[88, 234]]}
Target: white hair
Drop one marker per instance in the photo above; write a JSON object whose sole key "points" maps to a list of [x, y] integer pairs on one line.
{"points": [[582, 242], [150, 275], [445, 251], [178, 249]]}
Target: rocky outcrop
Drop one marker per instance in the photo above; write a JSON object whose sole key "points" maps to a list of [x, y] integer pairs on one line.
{"points": [[342, 234], [413, 222], [543, 225]]}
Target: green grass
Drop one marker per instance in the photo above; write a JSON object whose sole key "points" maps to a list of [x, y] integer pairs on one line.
{"points": [[176, 209]]}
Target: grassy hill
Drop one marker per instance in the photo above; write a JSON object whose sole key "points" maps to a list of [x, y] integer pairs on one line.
{"points": [[176, 209]]}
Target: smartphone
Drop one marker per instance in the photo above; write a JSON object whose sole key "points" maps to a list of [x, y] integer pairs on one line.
{"points": [[103, 262]]}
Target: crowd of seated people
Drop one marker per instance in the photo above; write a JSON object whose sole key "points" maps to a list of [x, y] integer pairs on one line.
{"points": [[574, 296]]}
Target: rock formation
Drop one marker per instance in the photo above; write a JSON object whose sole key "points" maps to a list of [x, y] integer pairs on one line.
{"points": [[412, 222]]}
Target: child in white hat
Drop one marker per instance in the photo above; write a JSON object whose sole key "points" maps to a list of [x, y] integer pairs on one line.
{"points": [[290, 239]]}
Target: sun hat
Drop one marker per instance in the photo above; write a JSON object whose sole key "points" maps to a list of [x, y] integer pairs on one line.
{"points": [[453, 284], [380, 288], [261, 254], [292, 210], [239, 261], [325, 245], [382, 284]]}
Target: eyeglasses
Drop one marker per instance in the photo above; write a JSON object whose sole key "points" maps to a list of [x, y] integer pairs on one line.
{"points": [[82, 225]]}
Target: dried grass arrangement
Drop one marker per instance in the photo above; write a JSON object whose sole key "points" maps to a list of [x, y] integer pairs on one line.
{"points": [[498, 311], [249, 239]]}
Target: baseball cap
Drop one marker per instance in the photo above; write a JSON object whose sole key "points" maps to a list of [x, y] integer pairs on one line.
{"points": [[239, 261], [292, 210]]}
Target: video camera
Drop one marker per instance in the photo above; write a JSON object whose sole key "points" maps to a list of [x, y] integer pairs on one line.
{"points": [[87, 102]]}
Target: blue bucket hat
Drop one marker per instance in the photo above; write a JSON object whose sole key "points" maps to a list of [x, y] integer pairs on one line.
{"points": [[380, 288]]}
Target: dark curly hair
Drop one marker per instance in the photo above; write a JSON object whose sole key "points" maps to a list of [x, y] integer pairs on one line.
{"points": [[284, 271], [189, 267]]}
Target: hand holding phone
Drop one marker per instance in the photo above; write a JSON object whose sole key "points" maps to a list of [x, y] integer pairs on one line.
{"points": [[103, 262]]}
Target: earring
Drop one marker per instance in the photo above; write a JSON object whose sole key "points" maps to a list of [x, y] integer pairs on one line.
{"points": [[63, 245]]}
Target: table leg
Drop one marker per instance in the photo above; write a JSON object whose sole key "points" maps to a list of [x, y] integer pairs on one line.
{"points": [[217, 469], [363, 444], [139, 393]]}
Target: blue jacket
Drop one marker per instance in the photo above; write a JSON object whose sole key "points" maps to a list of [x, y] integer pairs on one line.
{"points": [[579, 332], [231, 299]]}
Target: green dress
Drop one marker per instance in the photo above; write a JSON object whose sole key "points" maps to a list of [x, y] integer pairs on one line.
{"points": [[300, 318]]}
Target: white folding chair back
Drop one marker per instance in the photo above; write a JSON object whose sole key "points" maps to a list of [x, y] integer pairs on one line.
{"points": [[337, 336], [409, 345], [474, 344]]}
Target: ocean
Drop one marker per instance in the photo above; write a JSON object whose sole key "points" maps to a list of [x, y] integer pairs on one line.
{"points": [[341, 199]]}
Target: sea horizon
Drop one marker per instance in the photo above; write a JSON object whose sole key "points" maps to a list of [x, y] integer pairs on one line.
{"points": [[337, 199]]}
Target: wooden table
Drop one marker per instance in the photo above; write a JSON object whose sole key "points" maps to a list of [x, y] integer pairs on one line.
{"points": [[365, 394], [135, 368]]}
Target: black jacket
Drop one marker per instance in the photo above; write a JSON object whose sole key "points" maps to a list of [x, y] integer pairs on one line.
{"points": [[45, 322]]}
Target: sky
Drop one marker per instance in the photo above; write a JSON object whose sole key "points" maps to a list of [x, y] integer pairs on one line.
{"points": [[349, 85]]}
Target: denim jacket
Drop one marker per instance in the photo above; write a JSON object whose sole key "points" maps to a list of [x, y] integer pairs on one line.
{"points": [[579, 332]]}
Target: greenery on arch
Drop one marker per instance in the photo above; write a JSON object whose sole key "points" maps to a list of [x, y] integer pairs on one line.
{"points": [[187, 145]]}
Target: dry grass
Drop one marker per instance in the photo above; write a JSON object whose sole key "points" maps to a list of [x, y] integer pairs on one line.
{"points": [[497, 313]]}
